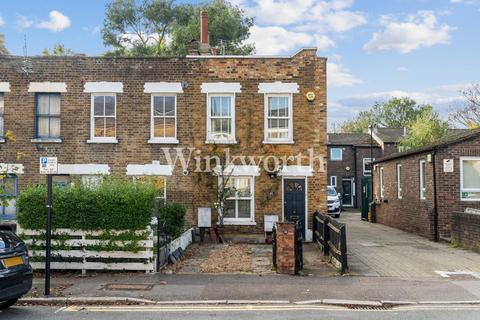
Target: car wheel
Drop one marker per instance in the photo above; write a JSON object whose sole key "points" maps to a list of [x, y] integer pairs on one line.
{"points": [[7, 304]]}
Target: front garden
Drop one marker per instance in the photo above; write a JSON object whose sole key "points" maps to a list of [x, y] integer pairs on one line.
{"points": [[103, 227]]}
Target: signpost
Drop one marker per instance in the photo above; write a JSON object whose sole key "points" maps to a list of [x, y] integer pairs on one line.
{"points": [[49, 167]]}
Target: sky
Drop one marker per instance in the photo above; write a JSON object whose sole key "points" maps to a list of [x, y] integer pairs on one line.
{"points": [[425, 49]]}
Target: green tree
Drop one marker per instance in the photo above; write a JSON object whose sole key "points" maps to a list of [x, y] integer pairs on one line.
{"points": [[58, 50], [469, 115], [427, 129], [395, 113], [165, 28], [227, 24]]}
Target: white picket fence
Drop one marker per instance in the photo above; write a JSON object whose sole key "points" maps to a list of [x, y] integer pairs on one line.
{"points": [[81, 248]]}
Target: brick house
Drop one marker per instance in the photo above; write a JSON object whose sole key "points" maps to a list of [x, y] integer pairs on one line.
{"points": [[103, 115], [419, 190], [349, 157]]}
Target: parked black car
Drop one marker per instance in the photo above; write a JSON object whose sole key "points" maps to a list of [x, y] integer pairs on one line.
{"points": [[15, 270]]}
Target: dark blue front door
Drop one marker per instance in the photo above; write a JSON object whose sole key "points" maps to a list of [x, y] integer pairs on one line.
{"points": [[294, 201]]}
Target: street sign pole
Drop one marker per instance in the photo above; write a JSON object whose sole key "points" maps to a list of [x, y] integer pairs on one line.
{"points": [[48, 239], [49, 167]]}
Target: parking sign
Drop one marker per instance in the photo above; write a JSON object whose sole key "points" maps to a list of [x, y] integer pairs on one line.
{"points": [[48, 165]]}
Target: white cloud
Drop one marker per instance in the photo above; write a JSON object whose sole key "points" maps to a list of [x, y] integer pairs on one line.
{"points": [[23, 22], [2, 22], [57, 22], [339, 76], [443, 99], [418, 30], [285, 25], [275, 40], [401, 69]]}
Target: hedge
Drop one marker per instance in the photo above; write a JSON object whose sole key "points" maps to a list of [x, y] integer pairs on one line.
{"points": [[113, 205], [172, 218]]}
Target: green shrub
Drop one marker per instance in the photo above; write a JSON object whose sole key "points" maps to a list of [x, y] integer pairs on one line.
{"points": [[113, 205], [172, 218]]}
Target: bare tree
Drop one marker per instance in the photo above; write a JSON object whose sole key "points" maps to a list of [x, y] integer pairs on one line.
{"points": [[3, 50], [469, 115]]}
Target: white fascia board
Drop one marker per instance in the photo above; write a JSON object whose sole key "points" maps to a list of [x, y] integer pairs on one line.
{"points": [[11, 168], [163, 87], [103, 87], [150, 169], [240, 170], [278, 87], [47, 86], [4, 86], [221, 87], [297, 171], [84, 169]]}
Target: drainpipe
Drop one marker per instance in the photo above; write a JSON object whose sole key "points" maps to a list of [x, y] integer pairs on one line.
{"points": [[435, 202], [355, 174]]}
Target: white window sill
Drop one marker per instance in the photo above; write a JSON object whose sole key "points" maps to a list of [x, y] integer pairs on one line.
{"points": [[163, 140], [239, 223], [46, 140], [2, 140], [221, 141], [103, 140], [278, 142]]}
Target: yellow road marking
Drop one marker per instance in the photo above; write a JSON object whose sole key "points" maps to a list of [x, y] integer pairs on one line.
{"points": [[240, 308]]}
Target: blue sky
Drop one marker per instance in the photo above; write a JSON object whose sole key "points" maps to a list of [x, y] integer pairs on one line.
{"points": [[427, 49]]}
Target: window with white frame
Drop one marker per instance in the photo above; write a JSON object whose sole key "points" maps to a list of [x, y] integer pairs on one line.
{"points": [[239, 205], [2, 112], [103, 117], [367, 166], [422, 178], [470, 178], [336, 154], [164, 118], [221, 118], [47, 122], [382, 185], [278, 115], [333, 181], [399, 181]]}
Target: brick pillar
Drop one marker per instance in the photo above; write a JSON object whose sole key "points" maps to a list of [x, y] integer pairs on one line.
{"points": [[285, 232]]}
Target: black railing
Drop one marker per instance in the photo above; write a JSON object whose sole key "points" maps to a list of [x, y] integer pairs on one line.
{"points": [[331, 235], [274, 247]]}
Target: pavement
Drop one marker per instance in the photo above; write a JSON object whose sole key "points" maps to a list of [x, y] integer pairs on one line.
{"points": [[385, 265], [378, 250]]}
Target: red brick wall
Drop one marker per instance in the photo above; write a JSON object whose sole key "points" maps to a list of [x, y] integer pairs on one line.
{"points": [[133, 118], [466, 230], [413, 214], [285, 242]]}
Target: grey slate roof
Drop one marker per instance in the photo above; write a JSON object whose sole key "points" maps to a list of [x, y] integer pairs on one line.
{"points": [[389, 135], [349, 139], [458, 135]]}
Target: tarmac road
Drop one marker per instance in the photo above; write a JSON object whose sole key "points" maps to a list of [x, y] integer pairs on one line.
{"points": [[237, 312]]}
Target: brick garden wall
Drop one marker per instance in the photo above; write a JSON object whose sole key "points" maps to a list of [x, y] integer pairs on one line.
{"points": [[133, 119], [466, 230]]}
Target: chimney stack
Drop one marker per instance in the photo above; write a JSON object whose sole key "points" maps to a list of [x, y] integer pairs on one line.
{"points": [[204, 34], [204, 46], [3, 50]]}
